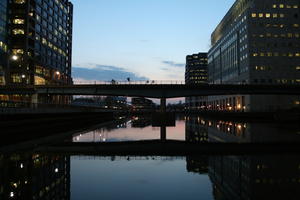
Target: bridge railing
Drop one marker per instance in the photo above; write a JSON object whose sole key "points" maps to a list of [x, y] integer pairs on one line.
{"points": [[146, 82]]}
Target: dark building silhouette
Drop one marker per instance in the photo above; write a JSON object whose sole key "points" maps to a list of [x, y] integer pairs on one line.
{"points": [[257, 42], [39, 43], [196, 73], [34, 176]]}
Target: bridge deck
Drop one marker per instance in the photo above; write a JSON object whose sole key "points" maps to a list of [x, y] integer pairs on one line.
{"points": [[155, 91]]}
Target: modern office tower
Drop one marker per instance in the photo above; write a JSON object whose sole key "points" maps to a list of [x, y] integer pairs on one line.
{"points": [[3, 40], [39, 42], [196, 73], [257, 42]]}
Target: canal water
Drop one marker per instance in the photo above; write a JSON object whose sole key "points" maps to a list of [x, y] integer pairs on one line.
{"points": [[27, 175]]}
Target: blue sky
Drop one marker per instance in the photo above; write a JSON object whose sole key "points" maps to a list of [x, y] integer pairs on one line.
{"points": [[144, 39]]}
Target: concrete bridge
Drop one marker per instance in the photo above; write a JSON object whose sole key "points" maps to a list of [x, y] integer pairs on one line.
{"points": [[154, 91]]}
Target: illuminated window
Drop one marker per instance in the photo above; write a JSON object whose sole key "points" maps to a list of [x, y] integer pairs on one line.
{"points": [[44, 41], [255, 54], [262, 54], [281, 15], [268, 15], [274, 6], [298, 68], [19, 1], [16, 78], [296, 25], [18, 31], [253, 15], [281, 5], [2, 82], [291, 55], [261, 15], [18, 21], [295, 6], [297, 54], [17, 51], [39, 80], [297, 35], [275, 15]]}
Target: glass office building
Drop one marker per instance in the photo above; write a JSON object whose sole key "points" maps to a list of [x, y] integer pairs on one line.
{"points": [[257, 42], [39, 42], [196, 73]]}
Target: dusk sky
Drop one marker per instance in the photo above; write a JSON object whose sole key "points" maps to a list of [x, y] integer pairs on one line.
{"points": [[141, 39]]}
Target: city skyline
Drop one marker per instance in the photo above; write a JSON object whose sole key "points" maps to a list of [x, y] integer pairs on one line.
{"points": [[140, 39]]}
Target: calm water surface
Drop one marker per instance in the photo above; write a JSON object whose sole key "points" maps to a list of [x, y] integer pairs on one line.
{"points": [[27, 175]]}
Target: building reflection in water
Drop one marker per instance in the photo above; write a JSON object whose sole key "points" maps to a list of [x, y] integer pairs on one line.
{"points": [[199, 129], [255, 177], [246, 177], [35, 176]]}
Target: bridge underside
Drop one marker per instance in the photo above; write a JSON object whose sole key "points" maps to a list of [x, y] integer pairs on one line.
{"points": [[168, 148]]}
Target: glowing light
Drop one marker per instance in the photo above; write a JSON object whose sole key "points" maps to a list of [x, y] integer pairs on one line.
{"points": [[15, 57], [56, 170], [239, 127], [57, 73], [23, 76], [21, 166], [11, 194]]}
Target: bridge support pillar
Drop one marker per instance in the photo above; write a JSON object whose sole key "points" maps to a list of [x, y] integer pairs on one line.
{"points": [[163, 105], [163, 133]]}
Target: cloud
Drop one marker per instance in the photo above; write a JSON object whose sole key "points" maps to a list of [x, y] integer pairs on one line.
{"points": [[173, 64], [94, 72]]}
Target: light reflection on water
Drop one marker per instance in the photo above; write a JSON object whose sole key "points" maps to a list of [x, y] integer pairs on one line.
{"points": [[195, 129], [131, 130]]}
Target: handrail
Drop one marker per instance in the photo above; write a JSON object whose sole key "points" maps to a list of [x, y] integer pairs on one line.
{"points": [[147, 82]]}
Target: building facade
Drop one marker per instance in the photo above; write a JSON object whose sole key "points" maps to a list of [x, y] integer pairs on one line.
{"points": [[3, 40], [257, 42], [142, 104], [39, 42], [196, 73]]}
